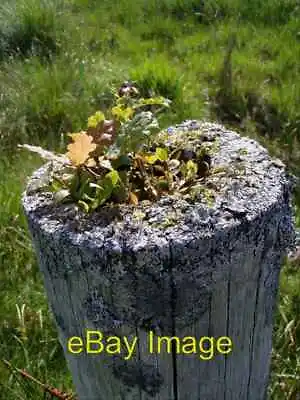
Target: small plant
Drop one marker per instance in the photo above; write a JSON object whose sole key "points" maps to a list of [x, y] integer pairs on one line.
{"points": [[120, 158]]}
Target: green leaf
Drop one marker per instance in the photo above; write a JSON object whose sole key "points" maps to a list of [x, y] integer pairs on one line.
{"points": [[94, 119], [161, 154], [87, 197], [84, 206], [151, 159], [191, 169], [74, 185], [191, 166], [83, 187], [94, 185], [137, 132], [56, 184], [122, 113], [159, 100], [105, 193], [105, 188], [114, 176], [163, 184]]}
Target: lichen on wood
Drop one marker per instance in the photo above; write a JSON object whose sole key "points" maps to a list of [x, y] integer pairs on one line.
{"points": [[213, 271]]}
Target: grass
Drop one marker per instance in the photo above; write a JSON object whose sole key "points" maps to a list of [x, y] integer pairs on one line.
{"points": [[58, 61], [30, 27], [27, 335]]}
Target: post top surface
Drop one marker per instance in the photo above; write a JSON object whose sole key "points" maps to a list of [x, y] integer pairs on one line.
{"points": [[249, 183]]}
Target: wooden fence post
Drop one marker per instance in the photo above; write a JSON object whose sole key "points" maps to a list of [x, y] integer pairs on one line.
{"points": [[203, 276]]}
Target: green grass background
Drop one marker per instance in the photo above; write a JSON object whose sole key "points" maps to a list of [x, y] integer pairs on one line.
{"points": [[58, 61]]}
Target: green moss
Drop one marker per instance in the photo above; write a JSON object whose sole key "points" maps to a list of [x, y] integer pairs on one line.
{"points": [[243, 151], [171, 219]]}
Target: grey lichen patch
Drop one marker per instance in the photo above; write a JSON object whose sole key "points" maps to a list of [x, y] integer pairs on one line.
{"points": [[144, 376], [170, 219], [199, 192], [138, 215], [182, 136]]}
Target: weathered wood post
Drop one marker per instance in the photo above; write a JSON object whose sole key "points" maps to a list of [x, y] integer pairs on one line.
{"points": [[182, 270]]}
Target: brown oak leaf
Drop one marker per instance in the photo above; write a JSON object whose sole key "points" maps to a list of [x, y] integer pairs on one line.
{"points": [[79, 150]]}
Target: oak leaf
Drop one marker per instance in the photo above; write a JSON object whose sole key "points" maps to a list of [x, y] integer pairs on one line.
{"points": [[79, 150]]}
